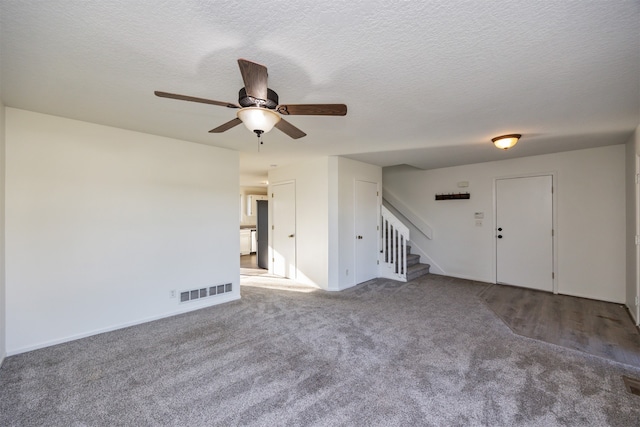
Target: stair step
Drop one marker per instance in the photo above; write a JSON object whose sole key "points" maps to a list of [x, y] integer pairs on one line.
{"points": [[412, 259], [417, 270]]}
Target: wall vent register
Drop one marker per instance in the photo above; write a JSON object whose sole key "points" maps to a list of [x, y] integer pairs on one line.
{"points": [[211, 291]]}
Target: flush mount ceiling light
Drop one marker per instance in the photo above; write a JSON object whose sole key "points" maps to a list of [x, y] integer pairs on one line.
{"points": [[506, 141], [257, 119]]}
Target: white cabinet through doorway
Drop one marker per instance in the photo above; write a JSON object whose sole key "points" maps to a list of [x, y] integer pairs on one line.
{"points": [[252, 208], [245, 242]]}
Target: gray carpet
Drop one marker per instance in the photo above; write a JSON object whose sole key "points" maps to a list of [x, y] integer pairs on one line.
{"points": [[428, 352]]}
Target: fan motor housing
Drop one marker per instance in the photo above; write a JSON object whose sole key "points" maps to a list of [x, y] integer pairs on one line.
{"points": [[249, 101]]}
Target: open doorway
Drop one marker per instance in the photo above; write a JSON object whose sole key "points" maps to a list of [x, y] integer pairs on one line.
{"points": [[256, 262], [249, 265], [253, 231]]}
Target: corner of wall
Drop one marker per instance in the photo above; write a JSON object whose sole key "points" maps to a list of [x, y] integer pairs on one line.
{"points": [[3, 322], [631, 292], [333, 265]]}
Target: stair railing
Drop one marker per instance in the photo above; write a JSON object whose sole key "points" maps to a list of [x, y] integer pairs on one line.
{"points": [[394, 237]]}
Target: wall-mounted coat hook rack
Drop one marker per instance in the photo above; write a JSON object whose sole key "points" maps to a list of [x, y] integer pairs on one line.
{"points": [[454, 196]]}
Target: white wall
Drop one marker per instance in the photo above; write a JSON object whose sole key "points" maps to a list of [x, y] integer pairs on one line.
{"points": [[590, 217], [102, 223], [325, 208], [348, 172], [312, 219], [631, 291], [3, 347]]}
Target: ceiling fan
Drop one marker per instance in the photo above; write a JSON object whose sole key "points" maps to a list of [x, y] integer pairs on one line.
{"points": [[259, 109]]}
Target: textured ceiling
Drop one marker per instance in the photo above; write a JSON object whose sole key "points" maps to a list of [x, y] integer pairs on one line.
{"points": [[427, 83]]}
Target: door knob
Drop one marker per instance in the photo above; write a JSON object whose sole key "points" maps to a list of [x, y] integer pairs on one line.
{"points": [[290, 235], [359, 237], [500, 229], [499, 236]]}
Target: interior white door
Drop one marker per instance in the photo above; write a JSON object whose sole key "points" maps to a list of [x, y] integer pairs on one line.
{"points": [[366, 228], [284, 229], [524, 232]]}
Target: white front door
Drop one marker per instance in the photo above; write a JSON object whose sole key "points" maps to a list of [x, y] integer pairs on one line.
{"points": [[366, 231], [524, 232], [284, 229]]}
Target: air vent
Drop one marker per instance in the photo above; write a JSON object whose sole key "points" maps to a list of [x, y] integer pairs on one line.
{"points": [[632, 385], [212, 291]]}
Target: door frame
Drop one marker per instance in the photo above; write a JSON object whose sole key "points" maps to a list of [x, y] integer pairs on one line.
{"points": [[554, 220], [636, 247], [270, 222], [377, 237]]}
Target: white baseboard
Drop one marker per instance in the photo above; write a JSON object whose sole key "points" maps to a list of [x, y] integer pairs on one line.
{"points": [[459, 276], [585, 296], [180, 310]]}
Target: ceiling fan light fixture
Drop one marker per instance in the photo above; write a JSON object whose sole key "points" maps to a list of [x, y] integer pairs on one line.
{"points": [[505, 142], [258, 119]]}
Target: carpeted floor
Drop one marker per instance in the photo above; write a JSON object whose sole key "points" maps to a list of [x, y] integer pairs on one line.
{"points": [[384, 353]]}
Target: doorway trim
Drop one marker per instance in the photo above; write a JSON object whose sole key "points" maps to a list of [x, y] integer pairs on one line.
{"points": [[636, 309], [354, 280], [554, 219], [270, 193]]}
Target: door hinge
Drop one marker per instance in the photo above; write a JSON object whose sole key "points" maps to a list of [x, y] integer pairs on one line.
{"points": [[553, 275], [378, 262], [636, 299], [377, 194], [552, 189], [637, 239], [638, 178], [553, 232], [273, 227], [272, 195], [377, 228]]}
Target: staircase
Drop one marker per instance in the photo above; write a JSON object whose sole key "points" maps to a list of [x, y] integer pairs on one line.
{"points": [[414, 268], [397, 261]]}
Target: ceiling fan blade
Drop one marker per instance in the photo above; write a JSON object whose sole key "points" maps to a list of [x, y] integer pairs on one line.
{"points": [[255, 78], [313, 109], [290, 129], [194, 99], [226, 126]]}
